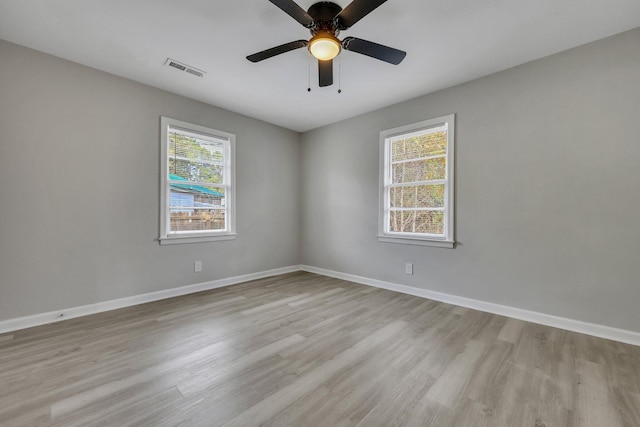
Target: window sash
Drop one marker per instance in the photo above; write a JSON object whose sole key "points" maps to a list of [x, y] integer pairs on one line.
{"points": [[225, 208], [414, 183], [417, 159], [205, 136], [389, 184], [204, 162], [438, 209]]}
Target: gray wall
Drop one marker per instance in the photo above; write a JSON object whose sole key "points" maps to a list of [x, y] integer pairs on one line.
{"points": [[79, 188], [547, 189], [548, 199]]}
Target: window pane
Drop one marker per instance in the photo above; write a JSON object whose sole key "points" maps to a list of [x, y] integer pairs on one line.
{"points": [[427, 145], [417, 196], [196, 207], [431, 222], [197, 220], [194, 159], [420, 170]]}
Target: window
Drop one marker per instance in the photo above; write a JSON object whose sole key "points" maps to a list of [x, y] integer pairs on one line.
{"points": [[416, 183], [197, 183]]}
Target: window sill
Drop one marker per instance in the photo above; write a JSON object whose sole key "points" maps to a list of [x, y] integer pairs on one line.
{"points": [[417, 242], [179, 240]]}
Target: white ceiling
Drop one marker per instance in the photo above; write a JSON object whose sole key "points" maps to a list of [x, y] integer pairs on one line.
{"points": [[447, 42]]}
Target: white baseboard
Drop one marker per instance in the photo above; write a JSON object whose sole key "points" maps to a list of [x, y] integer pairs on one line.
{"points": [[70, 313], [622, 335]]}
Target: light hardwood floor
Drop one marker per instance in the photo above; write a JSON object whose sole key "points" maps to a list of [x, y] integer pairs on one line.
{"points": [[307, 350]]}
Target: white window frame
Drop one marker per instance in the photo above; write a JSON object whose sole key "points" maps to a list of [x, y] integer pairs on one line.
{"points": [[386, 137], [229, 142]]}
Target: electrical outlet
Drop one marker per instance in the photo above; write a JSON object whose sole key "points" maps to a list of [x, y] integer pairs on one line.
{"points": [[197, 266], [408, 268]]}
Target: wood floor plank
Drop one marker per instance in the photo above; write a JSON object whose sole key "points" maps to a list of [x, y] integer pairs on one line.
{"points": [[98, 393], [181, 312], [511, 330], [629, 406], [315, 298], [595, 404], [450, 385], [399, 405], [208, 376], [274, 403], [490, 376], [306, 350]]}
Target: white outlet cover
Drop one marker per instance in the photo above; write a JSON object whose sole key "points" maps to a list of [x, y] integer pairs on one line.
{"points": [[197, 266], [408, 268]]}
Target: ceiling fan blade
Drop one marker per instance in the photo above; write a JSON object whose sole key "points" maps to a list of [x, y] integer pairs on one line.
{"points": [[355, 11], [325, 73], [283, 48], [293, 10], [374, 50]]}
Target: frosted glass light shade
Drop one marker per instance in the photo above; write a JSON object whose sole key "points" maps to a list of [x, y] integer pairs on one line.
{"points": [[324, 47]]}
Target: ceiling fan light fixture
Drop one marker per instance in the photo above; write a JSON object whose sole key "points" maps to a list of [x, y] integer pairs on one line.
{"points": [[324, 46], [325, 20]]}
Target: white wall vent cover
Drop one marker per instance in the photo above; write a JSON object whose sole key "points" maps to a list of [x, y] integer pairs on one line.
{"points": [[184, 67]]}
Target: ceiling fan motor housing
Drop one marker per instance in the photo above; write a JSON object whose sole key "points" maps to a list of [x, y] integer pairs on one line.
{"points": [[324, 17]]}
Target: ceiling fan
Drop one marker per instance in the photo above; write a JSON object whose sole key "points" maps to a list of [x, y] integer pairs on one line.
{"points": [[325, 20]]}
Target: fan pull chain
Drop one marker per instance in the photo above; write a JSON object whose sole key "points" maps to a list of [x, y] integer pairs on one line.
{"points": [[309, 75], [339, 75]]}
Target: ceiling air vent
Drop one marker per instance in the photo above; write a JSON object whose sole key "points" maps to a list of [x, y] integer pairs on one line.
{"points": [[184, 67]]}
